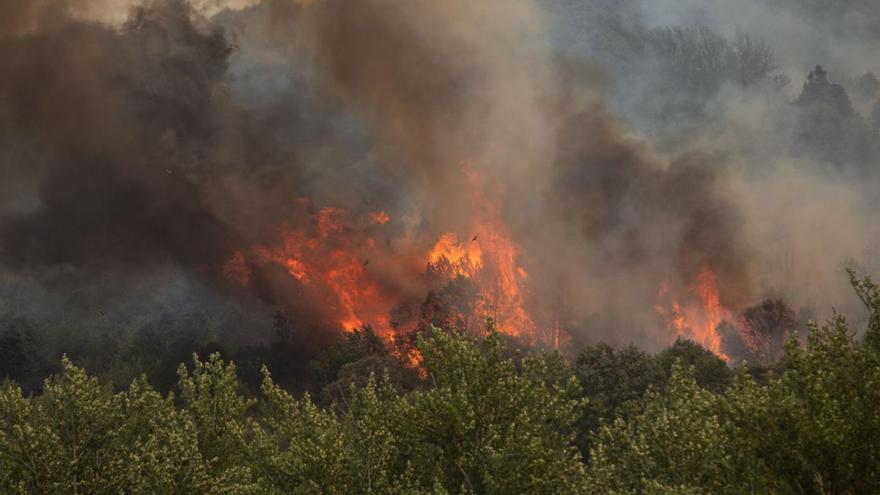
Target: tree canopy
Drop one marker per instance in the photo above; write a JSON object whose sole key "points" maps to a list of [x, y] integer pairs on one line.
{"points": [[475, 417]]}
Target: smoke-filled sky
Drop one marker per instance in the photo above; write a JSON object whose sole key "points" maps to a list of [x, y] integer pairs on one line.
{"points": [[626, 146]]}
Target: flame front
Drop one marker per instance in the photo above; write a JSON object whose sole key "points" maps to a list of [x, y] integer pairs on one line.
{"points": [[330, 259], [458, 259], [490, 258], [699, 317], [326, 262]]}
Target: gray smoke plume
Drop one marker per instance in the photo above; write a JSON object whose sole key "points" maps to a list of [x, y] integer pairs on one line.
{"points": [[620, 161]]}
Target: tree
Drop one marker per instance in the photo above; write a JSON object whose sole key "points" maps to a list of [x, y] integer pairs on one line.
{"points": [[829, 126], [816, 426], [818, 90], [875, 117], [211, 400], [753, 60], [352, 360], [869, 293], [297, 447], [703, 60], [614, 381], [811, 429], [709, 370], [868, 85], [452, 304], [766, 328], [679, 444], [493, 424], [732, 343], [485, 420], [77, 438], [20, 357], [157, 446]]}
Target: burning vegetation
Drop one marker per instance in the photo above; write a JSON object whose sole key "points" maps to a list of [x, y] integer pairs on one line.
{"points": [[330, 260], [494, 246], [395, 192], [698, 319]]}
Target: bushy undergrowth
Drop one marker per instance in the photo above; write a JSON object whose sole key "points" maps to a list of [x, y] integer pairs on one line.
{"points": [[482, 419]]}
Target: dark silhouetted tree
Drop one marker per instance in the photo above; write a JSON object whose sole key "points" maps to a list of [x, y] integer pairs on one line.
{"points": [[829, 128], [710, 371], [765, 329], [614, 381]]}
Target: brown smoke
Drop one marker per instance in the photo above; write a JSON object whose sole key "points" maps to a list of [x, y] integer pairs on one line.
{"points": [[451, 83], [164, 140]]}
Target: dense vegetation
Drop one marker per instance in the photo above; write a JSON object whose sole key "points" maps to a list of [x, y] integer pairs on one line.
{"points": [[137, 157], [480, 419]]}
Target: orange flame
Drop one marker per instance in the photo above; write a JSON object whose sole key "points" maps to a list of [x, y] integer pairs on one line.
{"points": [[330, 258], [490, 259], [237, 269], [379, 218], [462, 260], [328, 263], [698, 319]]}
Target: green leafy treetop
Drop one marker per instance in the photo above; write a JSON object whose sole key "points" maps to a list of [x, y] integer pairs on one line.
{"points": [[484, 423], [869, 293], [813, 428], [484, 420]]}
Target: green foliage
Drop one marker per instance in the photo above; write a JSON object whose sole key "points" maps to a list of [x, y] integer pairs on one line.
{"points": [[486, 423], [492, 424], [77, 438], [212, 402], [615, 381], [869, 293], [484, 420], [20, 357], [30, 449], [351, 361], [158, 445], [709, 370], [812, 428], [297, 447], [678, 444], [359, 344], [817, 425]]}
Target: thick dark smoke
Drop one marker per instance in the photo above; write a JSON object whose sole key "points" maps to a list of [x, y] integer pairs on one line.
{"points": [[169, 140], [118, 138], [124, 145], [128, 169], [450, 84]]}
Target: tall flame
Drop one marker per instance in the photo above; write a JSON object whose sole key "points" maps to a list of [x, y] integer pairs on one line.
{"points": [[490, 259], [464, 260], [330, 257], [325, 259], [698, 318]]}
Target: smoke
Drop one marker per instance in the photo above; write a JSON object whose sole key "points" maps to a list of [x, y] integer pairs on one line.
{"points": [[112, 133], [836, 34], [601, 218], [125, 146], [171, 135]]}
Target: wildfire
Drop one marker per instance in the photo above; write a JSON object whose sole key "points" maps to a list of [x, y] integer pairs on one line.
{"points": [[379, 218], [699, 317], [464, 260], [330, 263], [490, 259], [330, 258]]}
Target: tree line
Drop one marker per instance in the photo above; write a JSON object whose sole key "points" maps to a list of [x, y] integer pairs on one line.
{"points": [[475, 416]]}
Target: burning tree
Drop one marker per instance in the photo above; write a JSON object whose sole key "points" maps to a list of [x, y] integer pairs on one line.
{"points": [[763, 332]]}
